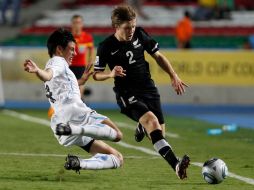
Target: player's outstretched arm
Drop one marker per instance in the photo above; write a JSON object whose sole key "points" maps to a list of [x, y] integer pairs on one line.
{"points": [[163, 62], [86, 75], [31, 67], [118, 71]]}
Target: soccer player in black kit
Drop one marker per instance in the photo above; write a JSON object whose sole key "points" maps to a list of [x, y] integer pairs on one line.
{"points": [[136, 93]]}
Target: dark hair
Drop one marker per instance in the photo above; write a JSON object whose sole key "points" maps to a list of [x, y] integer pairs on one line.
{"points": [[122, 14], [59, 37], [76, 16], [187, 14]]}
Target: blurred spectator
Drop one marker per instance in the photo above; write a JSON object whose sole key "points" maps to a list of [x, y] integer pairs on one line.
{"points": [[138, 6], [223, 9], [251, 41], [84, 49], [249, 44], [205, 10], [213, 9], [184, 31], [15, 4]]}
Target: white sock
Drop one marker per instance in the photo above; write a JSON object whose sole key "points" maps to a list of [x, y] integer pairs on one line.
{"points": [[97, 131], [99, 162]]}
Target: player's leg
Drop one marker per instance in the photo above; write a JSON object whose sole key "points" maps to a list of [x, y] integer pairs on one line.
{"points": [[100, 148], [98, 131], [110, 123], [154, 105], [140, 133], [95, 125], [163, 129], [139, 111], [153, 128], [104, 157]]}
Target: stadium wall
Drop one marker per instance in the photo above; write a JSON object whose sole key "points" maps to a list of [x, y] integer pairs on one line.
{"points": [[215, 77]]}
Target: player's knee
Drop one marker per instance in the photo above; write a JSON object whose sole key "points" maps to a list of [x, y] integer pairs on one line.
{"points": [[120, 158], [119, 136], [151, 121]]}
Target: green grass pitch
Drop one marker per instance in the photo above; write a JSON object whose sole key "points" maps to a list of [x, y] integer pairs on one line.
{"points": [[140, 171]]}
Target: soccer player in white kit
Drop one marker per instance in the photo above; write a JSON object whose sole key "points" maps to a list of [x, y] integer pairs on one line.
{"points": [[73, 122]]}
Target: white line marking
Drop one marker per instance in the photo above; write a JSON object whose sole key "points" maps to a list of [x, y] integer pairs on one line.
{"points": [[142, 149], [63, 155], [30, 154], [26, 117], [46, 122]]}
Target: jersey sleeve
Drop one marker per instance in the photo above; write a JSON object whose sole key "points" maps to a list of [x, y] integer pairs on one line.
{"points": [[150, 45], [56, 66], [101, 59]]}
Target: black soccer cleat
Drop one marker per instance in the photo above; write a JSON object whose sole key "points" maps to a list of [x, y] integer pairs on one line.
{"points": [[63, 129], [72, 163], [140, 133], [182, 166]]}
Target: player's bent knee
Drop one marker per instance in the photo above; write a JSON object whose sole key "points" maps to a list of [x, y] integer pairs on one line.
{"points": [[119, 136], [154, 123], [120, 158], [150, 121]]}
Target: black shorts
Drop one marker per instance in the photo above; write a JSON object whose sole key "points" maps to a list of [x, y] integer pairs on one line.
{"points": [[78, 71], [135, 106]]}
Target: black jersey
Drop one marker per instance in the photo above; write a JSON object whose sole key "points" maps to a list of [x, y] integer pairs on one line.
{"points": [[129, 55]]}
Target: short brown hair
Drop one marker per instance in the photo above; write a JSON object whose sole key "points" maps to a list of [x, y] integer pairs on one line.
{"points": [[122, 14], [76, 16]]}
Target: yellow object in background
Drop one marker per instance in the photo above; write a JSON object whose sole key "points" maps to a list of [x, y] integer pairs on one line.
{"points": [[219, 68], [207, 3]]}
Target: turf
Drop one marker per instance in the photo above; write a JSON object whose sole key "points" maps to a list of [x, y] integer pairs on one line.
{"points": [[140, 171]]}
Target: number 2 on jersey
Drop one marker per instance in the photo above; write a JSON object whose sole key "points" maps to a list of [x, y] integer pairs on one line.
{"points": [[130, 55]]}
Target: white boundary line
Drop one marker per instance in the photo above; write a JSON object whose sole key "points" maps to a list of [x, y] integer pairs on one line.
{"points": [[123, 144], [26, 117], [63, 155]]}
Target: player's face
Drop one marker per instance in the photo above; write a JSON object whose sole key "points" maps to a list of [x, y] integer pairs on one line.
{"points": [[77, 25], [126, 30], [69, 52]]}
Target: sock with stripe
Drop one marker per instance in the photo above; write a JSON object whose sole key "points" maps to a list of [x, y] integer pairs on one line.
{"points": [[163, 148]]}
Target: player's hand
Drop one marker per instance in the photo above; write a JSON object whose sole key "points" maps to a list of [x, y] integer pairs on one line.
{"points": [[30, 66], [178, 84], [118, 71], [87, 73]]}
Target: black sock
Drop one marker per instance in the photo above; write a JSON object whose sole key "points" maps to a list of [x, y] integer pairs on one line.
{"points": [[163, 148]]}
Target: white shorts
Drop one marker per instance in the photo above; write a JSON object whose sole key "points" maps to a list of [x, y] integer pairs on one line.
{"points": [[79, 114]]}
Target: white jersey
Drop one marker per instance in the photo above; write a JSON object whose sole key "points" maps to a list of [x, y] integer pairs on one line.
{"points": [[63, 94], [63, 88]]}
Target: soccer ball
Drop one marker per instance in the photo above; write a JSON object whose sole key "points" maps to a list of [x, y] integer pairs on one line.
{"points": [[214, 171]]}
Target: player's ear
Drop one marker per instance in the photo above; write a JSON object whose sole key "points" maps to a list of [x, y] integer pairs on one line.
{"points": [[116, 26], [59, 50]]}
